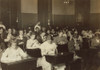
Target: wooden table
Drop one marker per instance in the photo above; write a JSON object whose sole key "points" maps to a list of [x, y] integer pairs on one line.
{"points": [[26, 64], [60, 58]]}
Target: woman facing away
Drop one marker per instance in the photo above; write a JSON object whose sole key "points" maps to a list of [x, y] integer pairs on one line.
{"points": [[13, 53]]}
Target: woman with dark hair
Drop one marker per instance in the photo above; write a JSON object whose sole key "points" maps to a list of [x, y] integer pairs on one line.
{"points": [[32, 43], [14, 32], [21, 40], [9, 36], [2, 43], [48, 32], [60, 39]]}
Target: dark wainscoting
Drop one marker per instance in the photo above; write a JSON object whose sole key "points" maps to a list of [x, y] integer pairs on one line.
{"points": [[70, 20], [64, 20], [95, 20], [9, 12], [28, 19]]}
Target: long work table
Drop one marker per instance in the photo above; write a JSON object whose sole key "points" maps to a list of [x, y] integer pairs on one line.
{"points": [[26, 64]]}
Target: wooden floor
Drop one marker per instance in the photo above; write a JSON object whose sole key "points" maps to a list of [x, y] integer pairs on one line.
{"points": [[94, 67], [91, 66]]}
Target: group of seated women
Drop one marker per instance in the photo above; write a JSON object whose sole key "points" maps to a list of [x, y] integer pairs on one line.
{"points": [[13, 43]]}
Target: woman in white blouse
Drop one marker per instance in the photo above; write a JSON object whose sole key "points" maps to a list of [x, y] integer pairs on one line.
{"points": [[9, 35], [13, 53], [32, 43], [47, 48]]}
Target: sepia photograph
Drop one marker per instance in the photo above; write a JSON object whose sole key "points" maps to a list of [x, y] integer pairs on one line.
{"points": [[49, 34]]}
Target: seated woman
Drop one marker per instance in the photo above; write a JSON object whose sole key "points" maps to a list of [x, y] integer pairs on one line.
{"points": [[47, 48], [9, 35], [60, 39], [13, 53], [21, 40], [32, 43], [95, 41], [2, 43]]}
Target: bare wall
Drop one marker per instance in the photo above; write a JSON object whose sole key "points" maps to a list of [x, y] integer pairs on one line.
{"points": [[29, 12], [63, 14], [95, 13]]}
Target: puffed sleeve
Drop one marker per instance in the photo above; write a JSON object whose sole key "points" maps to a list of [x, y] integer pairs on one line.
{"points": [[43, 49], [4, 56], [22, 53], [28, 44]]}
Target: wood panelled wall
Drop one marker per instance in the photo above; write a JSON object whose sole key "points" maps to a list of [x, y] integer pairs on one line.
{"points": [[9, 12], [29, 13], [0, 10], [44, 11], [82, 13], [63, 14], [54, 10], [95, 14]]}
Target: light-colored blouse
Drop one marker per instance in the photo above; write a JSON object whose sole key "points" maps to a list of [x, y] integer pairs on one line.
{"points": [[12, 55], [32, 44], [48, 49]]}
